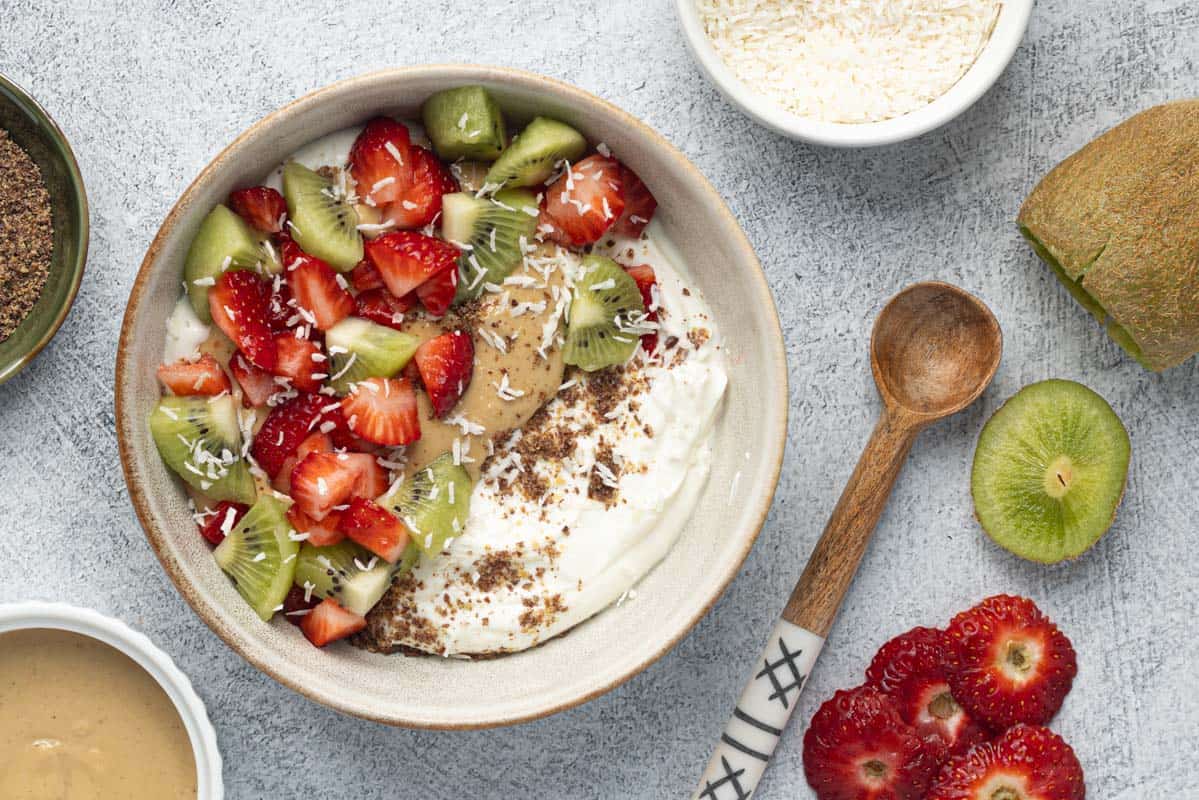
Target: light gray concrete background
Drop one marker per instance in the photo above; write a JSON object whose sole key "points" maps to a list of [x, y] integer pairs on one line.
{"points": [[148, 92]]}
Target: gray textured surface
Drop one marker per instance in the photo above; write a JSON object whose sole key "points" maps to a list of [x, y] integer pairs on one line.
{"points": [[149, 96]]}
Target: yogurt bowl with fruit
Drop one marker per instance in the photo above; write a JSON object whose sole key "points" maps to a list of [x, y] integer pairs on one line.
{"points": [[450, 374]]}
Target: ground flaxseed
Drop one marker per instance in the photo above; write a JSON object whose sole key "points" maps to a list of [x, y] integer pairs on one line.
{"points": [[26, 234]]}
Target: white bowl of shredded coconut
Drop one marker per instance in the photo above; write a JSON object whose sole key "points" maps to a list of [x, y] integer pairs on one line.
{"points": [[853, 73]]}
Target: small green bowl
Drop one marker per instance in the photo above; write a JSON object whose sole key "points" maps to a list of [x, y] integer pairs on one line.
{"points": [[31, 127]]}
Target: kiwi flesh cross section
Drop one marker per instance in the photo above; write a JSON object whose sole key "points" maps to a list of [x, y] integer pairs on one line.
{"points": [[464, 122], [322, 223], [531, 157], [362, 349], [223, 242], [199, 438], [349, 573], [259, 555], [495, 231], [434, 503], [605, 302]]}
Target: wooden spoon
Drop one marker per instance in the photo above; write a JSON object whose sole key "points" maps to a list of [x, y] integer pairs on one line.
{"points": [[934, 349]]}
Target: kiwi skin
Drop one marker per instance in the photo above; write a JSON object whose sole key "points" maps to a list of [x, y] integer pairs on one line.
{"points": [[480, 136]]}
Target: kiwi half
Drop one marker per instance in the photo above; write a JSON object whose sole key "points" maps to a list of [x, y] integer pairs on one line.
{"points": [[531, 157], [1049, 471], [362, 349], [495, 231], [350, 574], [199, 438], [464, 122], [322, 224], [223, 242], [260, 556], [605, 299], [434, 503]]}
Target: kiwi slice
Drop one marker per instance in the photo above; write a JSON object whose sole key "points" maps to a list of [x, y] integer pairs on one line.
{"points": [[531, 157], [362, 349], [199, 438], [464, 122], [322, 224], [495, 231], [605, 300], [223, 242], [260, 556], [1049, 471], [434, 503], [350, 574]]}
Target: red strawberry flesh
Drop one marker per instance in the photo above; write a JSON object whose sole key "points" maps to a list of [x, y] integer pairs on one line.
{"points": [[639, 205], [382, 411], [446, 364], [262, 207], [240, 306], [329, 622], [203, 376], [221, 519], [1025, 763], [380, 161], [375, 528], [584, 203], [406, 259], [419, 203], [286, 427]]}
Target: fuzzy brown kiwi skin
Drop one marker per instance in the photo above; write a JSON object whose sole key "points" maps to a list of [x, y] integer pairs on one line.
{"points": [[1119, 218]]}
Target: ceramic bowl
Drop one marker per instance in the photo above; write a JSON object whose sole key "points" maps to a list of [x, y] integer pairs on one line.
{"points": [[31, 127], [998, 51], [114, 633], [611, 647]]}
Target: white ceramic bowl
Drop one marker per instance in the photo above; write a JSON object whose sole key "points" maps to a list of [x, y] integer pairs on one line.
{"points": [[113, 632], [1009, 30]]}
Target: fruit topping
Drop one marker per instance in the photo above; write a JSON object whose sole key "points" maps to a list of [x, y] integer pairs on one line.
{"points": [[329, 622], [382, 411], [360, 349], [584, 203], [494, 233], [323, 223], [239, 303], [224, 242], [200, 439], [261, 206], [320, 533], [643, 274], [286, 427], [639, 205], [257, 385], [365, 276], [446, 363], [420, 202], [203, 376], [406, 259], [219, 520], [1025, 763], [259, 555], [464, 122], [347, 573], [321, 481], [606, 316], [297, 604], [534, 153], [375, 528], [382, 307], [381, 162], [320, 293], [433, 503]]}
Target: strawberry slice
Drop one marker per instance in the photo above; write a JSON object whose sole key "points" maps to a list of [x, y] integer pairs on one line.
{"points": [[381, 306], [296, 362], [375, 528], [286, 427], [329, 622], [261, 206], [240, 306], [381, 162], [911, 669], [365, 276], [1008, 663], [446, 364], [297, 604], [318, 290], [222, 519], [372, 478], [639, 205], [203, 376], [858, 748], [420, 202], [1025, 763], [584, 203], [282, 309], [321, 481], [315, 443], [406, 259], [383, 411], [257, 385], [320, 534], [643, 274], [437, 293]]}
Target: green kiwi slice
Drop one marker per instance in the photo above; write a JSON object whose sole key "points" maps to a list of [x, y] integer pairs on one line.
{"points": [[259, 555], [464, 122], [1049, 471], [223, 242], [434, 503], [199, 438], [361, 349], [495, 231], [350, 574], [531, 157], [605, 307], [323, 224]]}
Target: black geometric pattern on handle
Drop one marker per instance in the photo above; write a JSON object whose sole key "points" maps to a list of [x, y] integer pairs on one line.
{"points": [[771, 671], [731, 778]]}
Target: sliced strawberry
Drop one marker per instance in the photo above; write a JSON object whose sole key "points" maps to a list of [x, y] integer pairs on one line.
{"points": [[320, 533], [329, 622], [381, 162], [222, 519], [260, 206], [437, 293], [858, 748], [639, 205], [286, 427], [240, 306], [911, 669], [372, 478], [1008, 663], [321, 481], [296, 362], [282, 309], [383, 411], [319, 290], [298, 603], [1025, 763], [420, 203], [365, 276], [406, 259], [375, 528], [381, 306], [646, 281], [257, 385], [446, 364], [315, 443], [584, 203], [203, 376]]}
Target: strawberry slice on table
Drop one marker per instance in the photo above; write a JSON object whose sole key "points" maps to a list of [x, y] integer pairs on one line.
{"points": [[297, 604], [911, 669], [381, 306], [365, 276], [329, 622], [646, 280], [257, 385], [321, 533], [203, 376], [261, 206], [858, 748], [286, 427], [406, 259], [446, 363], [584, 203], [381, 161], [383, 411], [240, 306], [420, 203], [437, 293], [375, 528], [1027, 762], [223, 516], [318, 290], [1008, 663], [321, 481], [639, 205], [296, 362]]}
